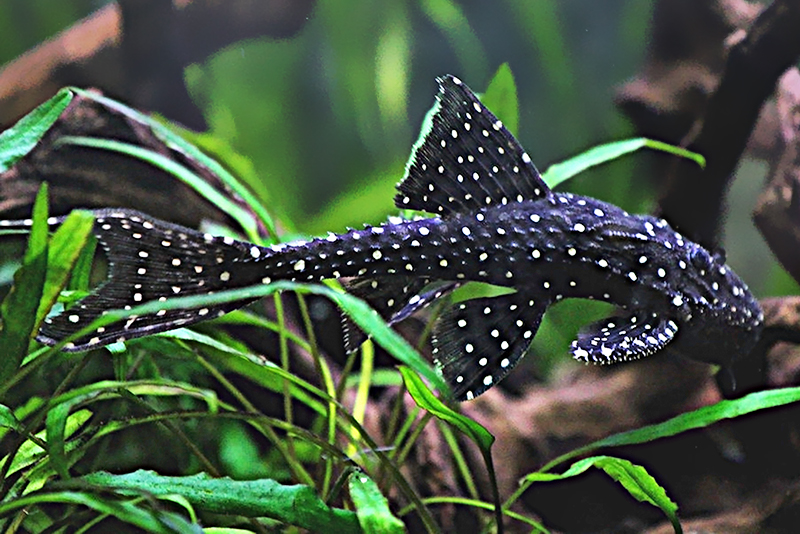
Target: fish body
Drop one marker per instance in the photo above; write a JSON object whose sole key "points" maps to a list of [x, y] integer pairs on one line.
{"points": [[495, 221]]}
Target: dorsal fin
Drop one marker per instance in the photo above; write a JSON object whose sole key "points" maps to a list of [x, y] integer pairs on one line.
{"points": [[466, 159]]}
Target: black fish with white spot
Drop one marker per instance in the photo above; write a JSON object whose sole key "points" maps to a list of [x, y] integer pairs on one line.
{"points": [[495, 221]]}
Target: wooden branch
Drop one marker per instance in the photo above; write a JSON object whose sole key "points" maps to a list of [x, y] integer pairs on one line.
{"points": [[693, 201], [136, 50]]}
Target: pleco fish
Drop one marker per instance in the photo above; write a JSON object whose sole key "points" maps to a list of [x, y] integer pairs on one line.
{"points": [[495, 222]]}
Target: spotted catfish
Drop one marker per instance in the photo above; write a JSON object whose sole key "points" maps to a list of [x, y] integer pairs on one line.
{"points": [[495, 221]]}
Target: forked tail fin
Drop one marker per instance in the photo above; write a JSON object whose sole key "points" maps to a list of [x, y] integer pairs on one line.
{"points": [[151, 260]]}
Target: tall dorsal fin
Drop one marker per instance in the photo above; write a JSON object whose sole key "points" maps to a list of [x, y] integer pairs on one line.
{"points": [[466, 159]]}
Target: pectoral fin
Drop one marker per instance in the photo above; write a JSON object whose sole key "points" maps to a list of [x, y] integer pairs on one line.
{"points": [[617, 339]]}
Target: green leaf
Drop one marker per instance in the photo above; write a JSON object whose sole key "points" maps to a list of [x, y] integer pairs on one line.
{"points": [[475, 431], [501, 98], [220, 200], [18, 310], [560, 172], [381, 333], [365, 317], [700, 418], [56, 425], [372, 508], [64, 249], [59, 416], [427, 400], [175, 142], [21, 138], [131, 512], [31, 457], [296, 505], [634, 478], [264, 373], [80, 280], [8, 419]]}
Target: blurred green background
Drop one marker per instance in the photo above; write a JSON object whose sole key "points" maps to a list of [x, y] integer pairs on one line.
{"points": [[321, 125], [335, 110]]}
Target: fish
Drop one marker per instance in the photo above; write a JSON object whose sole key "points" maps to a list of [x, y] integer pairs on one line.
{"points": [[492, 219]]}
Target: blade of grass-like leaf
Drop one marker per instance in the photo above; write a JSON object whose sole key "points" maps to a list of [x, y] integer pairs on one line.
{"points": [[362, 391], [449, 17], [18, 309], [365, 317], [296, 504], [147, 519], [244, 317], [634, 478], [112, 388], [32, 451], [63, 251], [501, 98], [162, 162], [265, 373], [8, 419], [381, 333], [81, 276], [58, 413], [372, 508], [179, 144], [535, 525], [20, 139], [426, 400], [56, 425], [378, 377], [560, 172], [700, 418]]}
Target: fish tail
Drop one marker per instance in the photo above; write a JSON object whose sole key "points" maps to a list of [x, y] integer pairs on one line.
{"points": [[152, 260]]}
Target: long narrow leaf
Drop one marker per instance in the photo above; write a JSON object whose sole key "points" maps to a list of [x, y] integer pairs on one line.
{"points": [[372, 508], [18, 310], [501, 98], [560, 172], [155, 521], [166, 164], [292, 504], [634, 478], [21, 138], [364, 316], [64, 249], [700, 418], [426, 400], [472, 429], [179, 144]]}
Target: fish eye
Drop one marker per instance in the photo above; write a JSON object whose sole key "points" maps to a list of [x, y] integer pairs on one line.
{"points": [[702, 259]]}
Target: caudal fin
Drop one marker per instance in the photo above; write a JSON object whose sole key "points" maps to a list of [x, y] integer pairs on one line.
{"points": [[151, 260]]}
